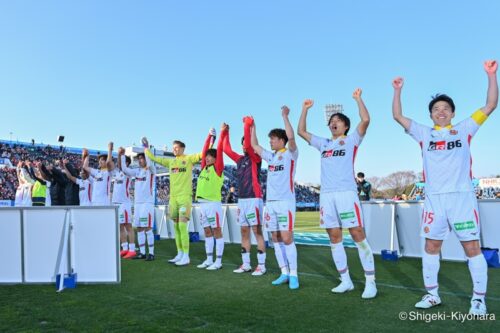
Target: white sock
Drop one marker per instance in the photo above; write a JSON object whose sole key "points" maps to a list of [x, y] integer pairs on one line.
{"points": [[340, 260], [151, 242], [131, 247], [141, 238], [291, 254], [125, 246], [479, 272], [366, 256], [430, 270], [245, 257], [219, 250], [280, 258], [261, 259], [209, 248], [285, 259]]}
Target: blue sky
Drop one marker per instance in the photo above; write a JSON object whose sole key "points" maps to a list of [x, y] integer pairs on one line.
{"points": [[97, 71]]}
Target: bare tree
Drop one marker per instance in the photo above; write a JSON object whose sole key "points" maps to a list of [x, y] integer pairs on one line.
{"points": [[397, 182]]}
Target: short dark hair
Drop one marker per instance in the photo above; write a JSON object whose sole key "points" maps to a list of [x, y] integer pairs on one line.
{"points": [[128, 159], [212, 152], [441, 98], [279, 133], [141, 155], [102, 156], [180, 143], [361, 175], [343, 118]]}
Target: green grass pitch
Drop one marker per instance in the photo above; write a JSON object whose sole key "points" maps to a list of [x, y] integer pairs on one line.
{"points": [[156, 296]]}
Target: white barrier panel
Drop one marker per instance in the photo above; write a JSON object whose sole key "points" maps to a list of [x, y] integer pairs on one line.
{"points": [[408, 215], [43, 243], [489, 221], [100, 227], [11, 270], [380, 228], [161, 216], [43, 237]]}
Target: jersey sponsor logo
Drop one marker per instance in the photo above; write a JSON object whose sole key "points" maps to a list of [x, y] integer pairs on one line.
{"points": [[283, 219], [331, 152], [98, 179], [444, 145], [250, 216], [82, 189], [346, 215], [276, 168], [177, 170], [460, 226], [140, 179]]}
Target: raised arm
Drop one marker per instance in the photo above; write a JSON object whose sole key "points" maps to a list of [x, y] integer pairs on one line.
{"points": [[219, 160], [247, 141], [147, 152], [302, 128], [491, 66], [68, 172], [397, 110], [228, 150], [363, 112], [255, 143], [123, 166], [109, 160], [292, 145], [209, 141], [85, 158]]}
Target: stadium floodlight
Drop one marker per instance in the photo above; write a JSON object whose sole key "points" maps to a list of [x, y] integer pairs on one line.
{"points": [[60, 138], [332, 109]]}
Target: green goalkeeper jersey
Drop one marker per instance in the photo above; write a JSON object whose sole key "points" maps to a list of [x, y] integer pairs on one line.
{"points": [[181, 172]]}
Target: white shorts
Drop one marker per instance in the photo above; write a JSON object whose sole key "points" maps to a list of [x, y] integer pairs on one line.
{"points": [[211, 214], [455, 211], [124, 212], [143, 215], [250, 212], [340, 210], [280, 215]]}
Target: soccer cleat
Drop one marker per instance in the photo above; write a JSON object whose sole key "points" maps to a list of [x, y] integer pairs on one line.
{"points": [[293, 282], [428, 301], [176, 258], [150, 257], [343, 287], [205, 264], [123, 253], [243, 269], [140, 256], [130, 255], [259, 271], [370, 290], [477, 307], [215, 266], [184, 261], [283, 278]]}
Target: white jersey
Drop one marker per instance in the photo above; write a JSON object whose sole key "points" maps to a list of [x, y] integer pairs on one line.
{"points": [[121, 187], [145, 180], [446, 155], [280, 174], [101, 182], [337, 162], [85, 191], [23, 196]]}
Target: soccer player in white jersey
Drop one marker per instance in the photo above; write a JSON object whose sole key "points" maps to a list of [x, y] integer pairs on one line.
{"points": [[84, 183], [121, 198], [143, 200], [101, 179], [280, 197], [450, 203], [339, 203]]}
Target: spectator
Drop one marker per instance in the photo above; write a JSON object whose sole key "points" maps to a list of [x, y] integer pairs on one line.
{"points": [[364, 187]]}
